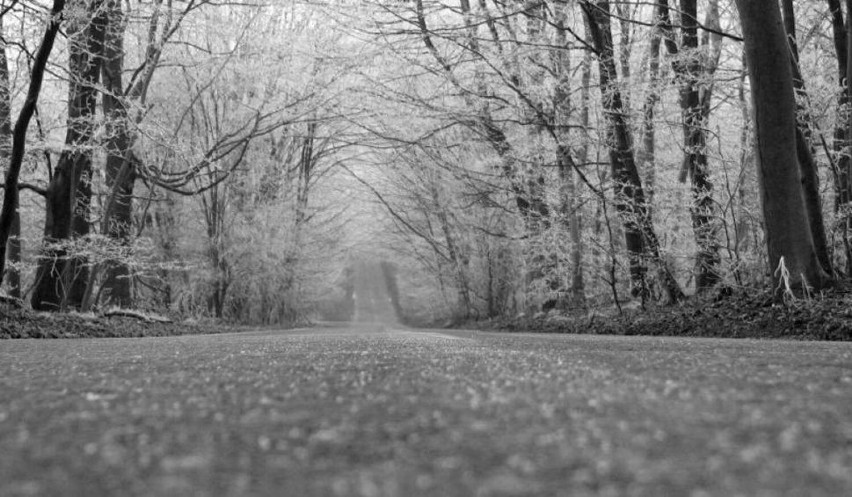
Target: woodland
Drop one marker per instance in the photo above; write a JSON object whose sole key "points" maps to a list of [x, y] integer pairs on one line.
{"points": [[256, 161]]}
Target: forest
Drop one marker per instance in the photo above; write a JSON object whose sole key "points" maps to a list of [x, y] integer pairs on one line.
{"points": [[246, 160]]}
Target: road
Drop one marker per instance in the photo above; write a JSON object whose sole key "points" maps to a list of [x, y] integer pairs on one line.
{"points": [[377, 411]]}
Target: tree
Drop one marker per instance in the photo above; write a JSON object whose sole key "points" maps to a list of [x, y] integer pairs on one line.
{"points": [[694, 63], [570, 206], [804, 148], [487, 155], [62, 272], [788, 234], [120, 99], [842, 164], [120, 167], [14, 244], [236, 160], [640, 238], [19, 133]]}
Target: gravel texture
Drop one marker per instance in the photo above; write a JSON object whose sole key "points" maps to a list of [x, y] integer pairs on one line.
{"points": [[373, 411]]}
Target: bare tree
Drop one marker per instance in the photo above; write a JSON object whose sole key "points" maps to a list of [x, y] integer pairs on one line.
{"points": [[640, 238], [13, 275], [62, 273], [694, 62], [805, 150], [788, 234], [122, 165], [19, 133]]}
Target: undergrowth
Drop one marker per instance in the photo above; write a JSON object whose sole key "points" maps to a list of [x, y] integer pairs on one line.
{"points": [[756, 315]]}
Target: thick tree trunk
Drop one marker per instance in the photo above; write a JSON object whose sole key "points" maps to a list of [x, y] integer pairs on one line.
{"points": [[813, 202], [19, 133], [120, 166], [807, 163], [846, 159], [843, 162], [62, 275], [640, 238], [788, 234]]}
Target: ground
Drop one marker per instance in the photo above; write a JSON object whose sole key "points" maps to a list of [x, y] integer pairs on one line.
{"points": [[380, 411]]}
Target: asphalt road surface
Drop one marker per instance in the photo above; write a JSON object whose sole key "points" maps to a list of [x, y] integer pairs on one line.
{"points": [[376, 411]]}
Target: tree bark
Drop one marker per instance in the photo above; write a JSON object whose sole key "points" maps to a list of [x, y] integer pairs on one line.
{"points": [[640, 238], [120, 167], [62, 275], [19, 133], [13, 274], [570, 216], [694, 72], [647, 155], [805, 152], [843, 162], [457, 258], [214, 203], [788, 234], [846, 158]]}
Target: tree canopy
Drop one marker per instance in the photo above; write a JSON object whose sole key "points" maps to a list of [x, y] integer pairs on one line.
{"points": [[247, 160]]}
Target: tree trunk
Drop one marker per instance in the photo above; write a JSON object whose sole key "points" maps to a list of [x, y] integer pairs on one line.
{"points": [[61, 276], [13, 274], [704, 210], [14, 248], [843, 162], [120, 167], [585, 99], [458, 260], [573, 218], [570, 216], [640, 238], [647, 155], [695, 75], [805, 152], [214, 203], [741, 226], [389, 272], [846, 159], [19, 134], [306, 172], [788, 234]]}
